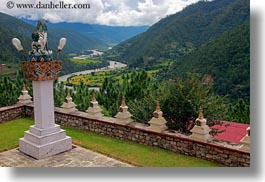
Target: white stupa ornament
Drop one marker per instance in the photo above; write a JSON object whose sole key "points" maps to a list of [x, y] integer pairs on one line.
{"points": [[201, 130], [94, 110], [158, 122], [123, 116], [68, 106], [25, 98]]}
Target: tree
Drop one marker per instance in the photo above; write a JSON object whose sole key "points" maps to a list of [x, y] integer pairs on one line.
{"points": [[240, 112], [180, 101]]}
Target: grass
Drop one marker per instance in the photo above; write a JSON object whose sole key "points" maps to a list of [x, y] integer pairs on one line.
{"points": [[89, 79], [136, 154], [7, 71], [11, 131], [98, 77], [166, 63], [72, 54], [85, 61]]}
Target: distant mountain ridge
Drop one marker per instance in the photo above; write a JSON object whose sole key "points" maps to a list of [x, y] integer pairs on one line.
{"points": [[107, 34], [11, 27], [178, 34], [76, 41]]}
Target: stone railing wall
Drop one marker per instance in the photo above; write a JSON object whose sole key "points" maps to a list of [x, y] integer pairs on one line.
{"points": [[11, 112], [208, 151], [169, 141]]}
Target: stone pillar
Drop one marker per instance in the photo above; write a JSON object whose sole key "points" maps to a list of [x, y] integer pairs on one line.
{"points": [[68, 106], [44, 138], [123, 116], [94, 110], [25, 98], [158, 122], [245, 141], [201, 130]]}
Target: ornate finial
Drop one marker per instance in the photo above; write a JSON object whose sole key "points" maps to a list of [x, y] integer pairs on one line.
{"points": [[200, 113], [68, 93], [24, 87], [123, 104], [94, 97], [158, 106]]}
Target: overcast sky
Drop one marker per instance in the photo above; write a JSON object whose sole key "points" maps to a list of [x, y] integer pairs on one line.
{"points": [[104, 12]]}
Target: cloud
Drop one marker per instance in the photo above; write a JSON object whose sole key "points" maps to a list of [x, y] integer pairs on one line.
{"points": [[104, 12]]}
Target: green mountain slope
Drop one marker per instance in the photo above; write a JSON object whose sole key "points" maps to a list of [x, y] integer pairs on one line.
{"points": [[76, 41], [11, 27], [8, 54], [225, 61], [178, 34]]}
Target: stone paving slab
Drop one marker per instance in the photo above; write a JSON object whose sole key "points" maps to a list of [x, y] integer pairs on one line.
{"points": [[77, 157]]}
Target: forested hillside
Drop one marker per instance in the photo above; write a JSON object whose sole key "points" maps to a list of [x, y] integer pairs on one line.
{"points": [[178, 34], [8, 53], [225, 61]]}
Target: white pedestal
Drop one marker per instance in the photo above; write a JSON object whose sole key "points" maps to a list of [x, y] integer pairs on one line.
{"points": [[45, 138], [25, 98]]}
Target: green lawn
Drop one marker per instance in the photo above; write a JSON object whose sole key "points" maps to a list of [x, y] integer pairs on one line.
{"points": [[136, 154], [8, 71], [11, 131]]}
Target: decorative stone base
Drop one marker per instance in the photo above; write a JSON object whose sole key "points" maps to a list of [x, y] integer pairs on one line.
{"points": [[201, 133], [42, 143], [124, 118], [69, 110], [157, 124], [25, 99], [94, 110]]}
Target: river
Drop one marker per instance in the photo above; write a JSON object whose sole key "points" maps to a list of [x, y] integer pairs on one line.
{"points": [[113, 65]]}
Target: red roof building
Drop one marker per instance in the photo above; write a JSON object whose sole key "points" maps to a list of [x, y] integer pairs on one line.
{"points": [[233, 132], [3, 66]]}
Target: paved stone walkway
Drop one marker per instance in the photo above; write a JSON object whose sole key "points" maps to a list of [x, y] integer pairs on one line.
{"points": [[77, 157]]}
